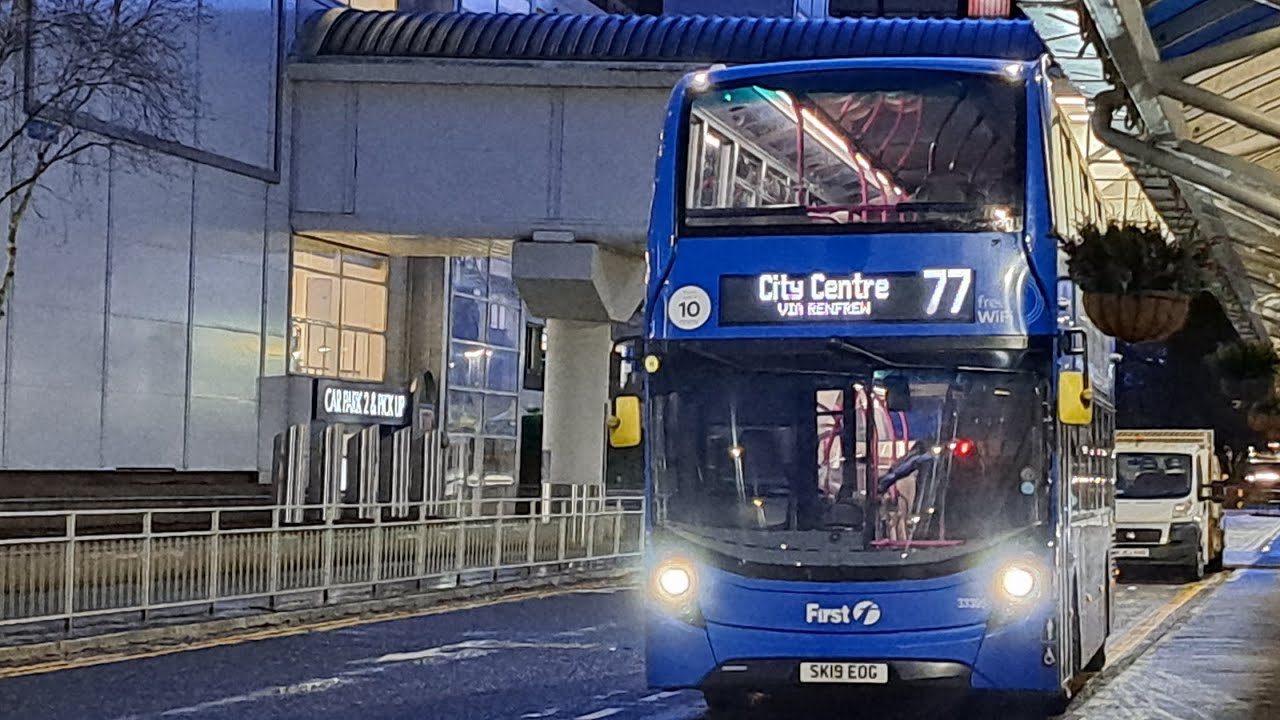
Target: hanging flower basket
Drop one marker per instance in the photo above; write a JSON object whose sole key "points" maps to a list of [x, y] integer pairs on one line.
{"points": [[1138, 317], [1137, 284]]}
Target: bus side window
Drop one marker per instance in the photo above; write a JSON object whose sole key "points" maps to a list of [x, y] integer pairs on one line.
{"points": [[1094, 459], [1070, 464], [1091, 462], [1109, 462]]}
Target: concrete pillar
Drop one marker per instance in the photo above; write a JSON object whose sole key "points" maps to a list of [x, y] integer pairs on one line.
{"points": [[581, 288], [575, 400]]}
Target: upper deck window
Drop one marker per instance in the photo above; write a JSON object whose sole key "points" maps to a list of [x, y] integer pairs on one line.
{"points": [[835, 152]]}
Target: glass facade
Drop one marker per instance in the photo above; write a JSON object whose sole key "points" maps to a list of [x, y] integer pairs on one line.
{"points": [[486, 325], [338, 318], [496, 6]]}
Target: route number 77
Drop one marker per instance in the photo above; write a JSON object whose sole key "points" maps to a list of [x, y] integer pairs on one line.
{"points": [[941, 278]]}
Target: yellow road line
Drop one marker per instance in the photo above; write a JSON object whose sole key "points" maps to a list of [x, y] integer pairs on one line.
{"points": [[279, 632], [1143, 629]]}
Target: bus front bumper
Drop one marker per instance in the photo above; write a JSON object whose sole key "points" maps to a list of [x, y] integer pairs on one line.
{"points": [[1011, 657], [785, 672]]}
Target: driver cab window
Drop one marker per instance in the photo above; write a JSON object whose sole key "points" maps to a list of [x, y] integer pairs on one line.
{"points": [[830, 429]]}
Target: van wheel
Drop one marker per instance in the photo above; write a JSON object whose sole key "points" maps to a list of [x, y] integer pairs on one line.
{"points": [[1195, 572]]}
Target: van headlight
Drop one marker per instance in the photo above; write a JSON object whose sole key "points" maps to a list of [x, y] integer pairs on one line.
{"points": [[1019, 581], [674, 580], [1182, 509]]}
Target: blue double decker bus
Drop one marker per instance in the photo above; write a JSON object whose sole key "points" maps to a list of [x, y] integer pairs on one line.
{"points": [[878, 424]]}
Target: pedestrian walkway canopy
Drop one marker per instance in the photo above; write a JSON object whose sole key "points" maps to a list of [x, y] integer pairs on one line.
{"points": [[1187, 91]]}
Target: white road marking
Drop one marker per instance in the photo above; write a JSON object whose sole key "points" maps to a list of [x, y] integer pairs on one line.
{"points": [[544, 714], [658, 696], [599, 714], [305, 687], [470, 649]]}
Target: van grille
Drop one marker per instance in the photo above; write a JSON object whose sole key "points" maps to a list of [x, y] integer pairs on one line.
{"points": [[1149, 536]]}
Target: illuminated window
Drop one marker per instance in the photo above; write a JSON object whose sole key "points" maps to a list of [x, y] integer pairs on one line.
{"points": [[338, 321]]}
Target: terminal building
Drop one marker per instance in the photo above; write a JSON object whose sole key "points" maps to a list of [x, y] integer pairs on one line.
{"points": [[397, 256]]}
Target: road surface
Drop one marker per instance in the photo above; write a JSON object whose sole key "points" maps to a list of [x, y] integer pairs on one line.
{"points": [[578, 656]]}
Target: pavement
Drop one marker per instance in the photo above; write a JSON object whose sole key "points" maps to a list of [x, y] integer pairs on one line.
{"points": [[1208, 651], [1222, 661]]}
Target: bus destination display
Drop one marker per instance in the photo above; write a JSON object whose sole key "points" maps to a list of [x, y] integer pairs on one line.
{"points": [[931, 295]]}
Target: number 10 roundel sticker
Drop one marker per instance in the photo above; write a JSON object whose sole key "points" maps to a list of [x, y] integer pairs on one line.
{"points": [[689, 307]]}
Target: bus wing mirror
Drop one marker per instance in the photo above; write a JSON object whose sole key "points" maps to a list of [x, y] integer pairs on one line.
{"points": [[1075, 398], [624, 425]]}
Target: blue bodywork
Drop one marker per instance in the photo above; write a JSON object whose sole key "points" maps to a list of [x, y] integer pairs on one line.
{"points": [[923, 620], [949, 618]]}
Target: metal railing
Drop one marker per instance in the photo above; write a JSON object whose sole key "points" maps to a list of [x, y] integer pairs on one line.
{"points": [[174, 558]]}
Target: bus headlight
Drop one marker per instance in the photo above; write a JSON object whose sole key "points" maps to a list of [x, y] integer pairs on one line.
{"points": [[1018, 581], [674, 580]]}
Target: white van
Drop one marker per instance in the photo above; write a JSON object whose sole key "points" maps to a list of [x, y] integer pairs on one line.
{"points": [[1169, 493]]}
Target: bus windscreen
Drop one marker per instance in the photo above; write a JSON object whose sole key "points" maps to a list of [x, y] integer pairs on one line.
{"points": [[889, 151], [765, 465]]}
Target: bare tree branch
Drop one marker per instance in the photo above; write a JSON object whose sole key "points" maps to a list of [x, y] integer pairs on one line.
{"points": [[16, 212], [119, 61]]}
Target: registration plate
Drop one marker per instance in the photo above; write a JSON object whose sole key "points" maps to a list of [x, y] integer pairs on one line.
{"points": [[1131, 552], [843, 672]]}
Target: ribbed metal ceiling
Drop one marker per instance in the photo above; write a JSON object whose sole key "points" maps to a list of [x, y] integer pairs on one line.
{"points": [[682, 39]]}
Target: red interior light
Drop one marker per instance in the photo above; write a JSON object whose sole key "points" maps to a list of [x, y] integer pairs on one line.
{"points": [[964, 448]]}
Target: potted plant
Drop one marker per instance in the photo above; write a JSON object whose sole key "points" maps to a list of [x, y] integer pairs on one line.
{"points": [[1246, 370], [1137, 286]]}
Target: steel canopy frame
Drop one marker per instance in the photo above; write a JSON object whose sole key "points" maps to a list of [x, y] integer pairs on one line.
{"points": [[1200, 190]]}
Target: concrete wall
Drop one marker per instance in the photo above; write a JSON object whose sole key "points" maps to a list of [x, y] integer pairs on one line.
{"points": [[149, 299], [468, 149]]}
